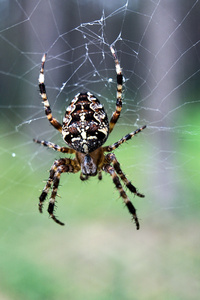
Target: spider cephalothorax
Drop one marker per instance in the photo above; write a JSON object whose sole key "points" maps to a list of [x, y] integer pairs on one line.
{"points": [[85, 129]]}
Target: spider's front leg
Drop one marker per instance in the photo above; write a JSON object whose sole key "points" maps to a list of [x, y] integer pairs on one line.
{"points": [[60, 166], [124, 139], [43, 94], [118, 109], [110, 170]]}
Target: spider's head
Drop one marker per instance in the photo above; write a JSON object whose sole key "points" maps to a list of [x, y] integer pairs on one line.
{"points": [[88, 167]]}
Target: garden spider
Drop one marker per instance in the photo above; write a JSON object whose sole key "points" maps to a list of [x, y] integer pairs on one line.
{"points": [[85, 129]]}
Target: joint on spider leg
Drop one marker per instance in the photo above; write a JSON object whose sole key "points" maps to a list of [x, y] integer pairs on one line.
{"points": [[117, 65], [110, 157], [134, 190], [132, 211], [140, 129], [119, 104], [48, 112]]}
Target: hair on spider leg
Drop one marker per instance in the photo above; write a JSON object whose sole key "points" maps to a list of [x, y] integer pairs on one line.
{"points": [[55, 206], [133, 217], [51, 210], [132, 211], [136, 222], [53, 217]]}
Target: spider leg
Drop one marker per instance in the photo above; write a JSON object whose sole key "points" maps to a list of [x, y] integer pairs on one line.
{"points": [[122, 140], [110, 170], [56, 180], [111, 158], [68, 165], [60, 166], [45, 190], [54, 146], [43, 94], [117, 112]]}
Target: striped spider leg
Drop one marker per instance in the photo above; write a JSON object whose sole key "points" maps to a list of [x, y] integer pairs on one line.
{"points": [[43, 95], [113, 168], [59, 166], [116, 114]]}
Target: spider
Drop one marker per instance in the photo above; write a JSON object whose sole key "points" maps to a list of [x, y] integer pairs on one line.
{"points": [[85, 129]]}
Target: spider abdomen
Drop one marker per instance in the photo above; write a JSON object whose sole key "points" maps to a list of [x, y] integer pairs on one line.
{"points": [[85, 125]]}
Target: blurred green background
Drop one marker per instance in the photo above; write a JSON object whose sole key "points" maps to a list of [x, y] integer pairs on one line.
{"points": [[99, 254]]}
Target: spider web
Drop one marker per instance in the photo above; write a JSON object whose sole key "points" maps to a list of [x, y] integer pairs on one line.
{"points": [[157, 44]]}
